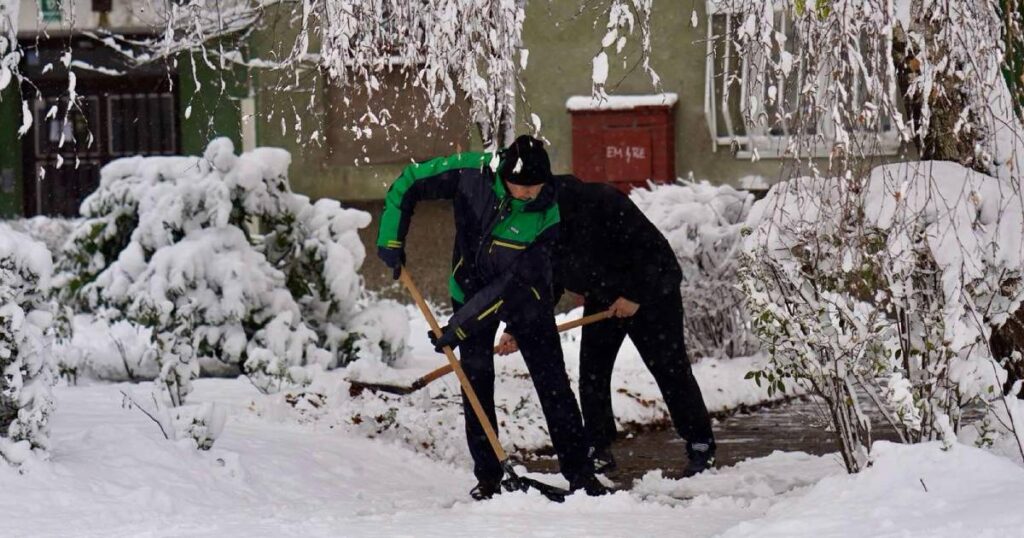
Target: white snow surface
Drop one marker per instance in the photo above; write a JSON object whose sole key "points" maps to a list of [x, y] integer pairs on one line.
{"points": [[619, 102], [112, 474]]}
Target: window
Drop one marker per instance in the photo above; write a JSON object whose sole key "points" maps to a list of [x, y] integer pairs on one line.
{"points": [[744, 114]]}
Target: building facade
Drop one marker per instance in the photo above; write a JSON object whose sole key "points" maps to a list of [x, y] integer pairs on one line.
{"points": [[160, 108], [688, 124]]}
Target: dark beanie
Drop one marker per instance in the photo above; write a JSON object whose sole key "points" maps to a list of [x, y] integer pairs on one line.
{"points": [[525, 162]]}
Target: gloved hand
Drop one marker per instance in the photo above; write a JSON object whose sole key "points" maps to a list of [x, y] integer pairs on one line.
{"points": [[448, 338], [394, 258]]}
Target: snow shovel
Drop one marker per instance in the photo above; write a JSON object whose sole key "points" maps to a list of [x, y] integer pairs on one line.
{"points": [[513, 482], [357, 387]]}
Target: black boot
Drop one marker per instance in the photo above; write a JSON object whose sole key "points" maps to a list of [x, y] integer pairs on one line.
{"points": [[589, 484], [603, 460], [485, 490], [701, 456]]}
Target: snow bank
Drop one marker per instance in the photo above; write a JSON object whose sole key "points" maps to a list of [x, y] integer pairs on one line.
{"points": [[51, 231], [702, 223], [910, 490], [106, 350]]}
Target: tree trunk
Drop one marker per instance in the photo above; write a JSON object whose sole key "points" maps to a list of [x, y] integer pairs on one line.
{"points": [[946, 101], [942, 142]]}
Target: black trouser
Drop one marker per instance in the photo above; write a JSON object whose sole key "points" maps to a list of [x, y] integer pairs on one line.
{"points": [[657, 331], [533, 326]]}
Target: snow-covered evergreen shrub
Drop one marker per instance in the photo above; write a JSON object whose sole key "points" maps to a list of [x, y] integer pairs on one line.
{"points": [[702, 223], [201, 424], [887, 288], [25, 372], [166, 243]]}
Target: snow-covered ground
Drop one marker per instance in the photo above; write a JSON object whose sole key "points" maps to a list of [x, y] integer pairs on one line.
{"points": [[303, 464], [111, 473]]}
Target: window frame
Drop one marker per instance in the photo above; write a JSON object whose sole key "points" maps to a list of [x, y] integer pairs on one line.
{"points": [[757, 136]]}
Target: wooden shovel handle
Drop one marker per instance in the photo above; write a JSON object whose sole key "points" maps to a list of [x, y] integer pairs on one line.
{"points": [[434, 375], [467, 388]]}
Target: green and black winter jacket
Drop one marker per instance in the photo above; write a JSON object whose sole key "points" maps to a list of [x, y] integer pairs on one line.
{"points": [[499, 241]]}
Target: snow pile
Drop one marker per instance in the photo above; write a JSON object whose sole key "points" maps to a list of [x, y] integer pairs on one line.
{"points": [[888, 289], [702, 223], [168, 243], [25, 373], [920, 490]]}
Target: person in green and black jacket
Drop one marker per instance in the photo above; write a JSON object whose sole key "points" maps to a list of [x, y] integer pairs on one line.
{"points": [[506, 222]]}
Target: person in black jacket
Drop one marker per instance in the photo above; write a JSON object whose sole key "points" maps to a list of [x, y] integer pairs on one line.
{"points": [[613, 256], [506, 220]]}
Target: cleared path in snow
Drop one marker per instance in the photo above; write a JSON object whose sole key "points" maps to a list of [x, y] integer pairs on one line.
{"points": [[794, 426]]}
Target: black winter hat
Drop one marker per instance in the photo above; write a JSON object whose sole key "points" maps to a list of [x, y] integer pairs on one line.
{"points": [[525, 162]]}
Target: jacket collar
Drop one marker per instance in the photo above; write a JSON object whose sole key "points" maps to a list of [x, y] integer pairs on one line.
{"points": [[542, 202]]}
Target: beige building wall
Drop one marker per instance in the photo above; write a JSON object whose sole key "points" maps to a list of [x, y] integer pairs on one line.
{"points": [[562, 40]]}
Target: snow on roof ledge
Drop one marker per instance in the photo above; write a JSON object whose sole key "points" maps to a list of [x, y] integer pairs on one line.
{"points": [[620, 102]]}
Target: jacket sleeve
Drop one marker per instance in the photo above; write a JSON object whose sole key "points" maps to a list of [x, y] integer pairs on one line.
{"points": [[531, 273], [431, 180]]}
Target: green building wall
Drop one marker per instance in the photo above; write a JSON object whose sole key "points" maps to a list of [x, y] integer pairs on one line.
{"points": [[10, 153], [215, 107]]}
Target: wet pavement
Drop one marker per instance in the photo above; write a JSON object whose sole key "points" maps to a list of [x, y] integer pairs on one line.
{"points": [[797, 425]]}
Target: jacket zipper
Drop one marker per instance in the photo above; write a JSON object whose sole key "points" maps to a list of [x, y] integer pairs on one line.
{"points": [[490, 228]]}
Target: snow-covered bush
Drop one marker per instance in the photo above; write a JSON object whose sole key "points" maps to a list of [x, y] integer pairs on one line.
{"points": [[200, 424], [702, 223], [106, 350], [887, 288], [167, 244], [25, 372], [51, 231]]}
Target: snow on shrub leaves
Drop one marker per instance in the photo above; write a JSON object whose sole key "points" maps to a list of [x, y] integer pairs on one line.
{"points": [[25, 372], [702, 223], [888, 288], [168, 243]]}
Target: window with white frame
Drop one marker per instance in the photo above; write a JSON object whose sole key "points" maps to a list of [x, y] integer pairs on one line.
{"points": [[732, 90]]}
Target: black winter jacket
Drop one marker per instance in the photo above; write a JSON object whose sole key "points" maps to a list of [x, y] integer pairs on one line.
{"points": [[608, 249]]}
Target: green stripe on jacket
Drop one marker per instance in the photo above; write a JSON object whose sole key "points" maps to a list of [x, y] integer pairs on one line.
{"points": [[392, 215]]}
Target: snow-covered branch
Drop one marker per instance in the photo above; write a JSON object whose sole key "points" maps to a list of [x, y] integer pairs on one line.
{"points": [[452, 49]]}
